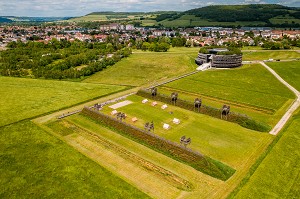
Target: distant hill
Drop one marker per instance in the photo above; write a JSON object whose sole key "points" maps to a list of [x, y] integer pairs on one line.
{"points": [[237, 15], [252, 12], [9, 19], [5, 20]]}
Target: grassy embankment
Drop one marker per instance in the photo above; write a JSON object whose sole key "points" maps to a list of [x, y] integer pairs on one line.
{"points": [[27, 98]]}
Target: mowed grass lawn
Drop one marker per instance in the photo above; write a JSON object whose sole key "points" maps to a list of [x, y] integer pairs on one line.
{"points": [[290, 71], [34, 164], [250, 85], [270, 54], [142, 68], [278, 176], [26, 98], [219, 139]]}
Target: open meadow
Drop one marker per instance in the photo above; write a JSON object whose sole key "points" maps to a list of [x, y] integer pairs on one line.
{"points": [[26, 98], [34, 164], [290, 71], [147, 67], [278, 174], [270, 54]]}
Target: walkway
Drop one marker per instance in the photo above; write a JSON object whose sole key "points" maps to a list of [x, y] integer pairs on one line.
{"points": [[291, 110]]}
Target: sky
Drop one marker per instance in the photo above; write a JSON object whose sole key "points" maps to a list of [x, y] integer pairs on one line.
{"points": [[71, 8]]}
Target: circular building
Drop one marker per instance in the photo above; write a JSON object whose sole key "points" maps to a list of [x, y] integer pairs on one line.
{"points": [[219, 58]]}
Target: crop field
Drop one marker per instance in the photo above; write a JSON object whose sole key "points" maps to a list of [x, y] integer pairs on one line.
{"points": [[34, 164], [26, 98], [265, 55], [278, 175], [147, 67], [290, 71], [250, 85]]}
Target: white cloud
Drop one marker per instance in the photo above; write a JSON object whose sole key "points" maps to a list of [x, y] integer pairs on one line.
{"points": [[82, 7]]}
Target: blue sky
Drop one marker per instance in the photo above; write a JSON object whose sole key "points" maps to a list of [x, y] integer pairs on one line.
{"points": [[83, 7]]}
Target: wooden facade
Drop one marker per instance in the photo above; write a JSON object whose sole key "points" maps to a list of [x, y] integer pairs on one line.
{"points": [[219, 61]]}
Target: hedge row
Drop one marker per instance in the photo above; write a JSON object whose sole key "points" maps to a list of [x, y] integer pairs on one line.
{"points": [[240, 119], [192, 158]]}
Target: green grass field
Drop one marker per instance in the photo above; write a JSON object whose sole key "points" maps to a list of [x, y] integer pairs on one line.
{"points": [[265, 55], [89, 18], [290, 71], [278, 175], [212, 137], [147, 67], [284, 19], [26, 98], [34, 164], [250, 85], [192, 20]]}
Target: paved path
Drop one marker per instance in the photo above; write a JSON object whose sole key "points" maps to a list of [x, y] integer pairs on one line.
{"points": [[292, 108], [175, 78]]}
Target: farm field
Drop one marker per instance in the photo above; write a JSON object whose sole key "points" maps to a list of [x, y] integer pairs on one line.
{"points": [[265, 55], [250, 85], [26, 98], [34, 164], [147, 67], [278, 174], [290, 71]]}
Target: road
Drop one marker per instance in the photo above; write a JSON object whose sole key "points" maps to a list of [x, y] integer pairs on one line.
{"points": [[292, 108]]}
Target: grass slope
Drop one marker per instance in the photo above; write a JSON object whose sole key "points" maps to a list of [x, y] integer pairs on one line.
{"points": [[265, 55], [34, 164], [251, 85], [278, 175], [290, 71], [26, 98], [147, 67]]}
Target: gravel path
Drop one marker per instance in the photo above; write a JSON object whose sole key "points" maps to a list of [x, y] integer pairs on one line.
{"points": [[292, 108]]}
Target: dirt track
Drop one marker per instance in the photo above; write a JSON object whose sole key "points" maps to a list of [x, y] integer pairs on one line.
{"points": [[292, 108]]}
